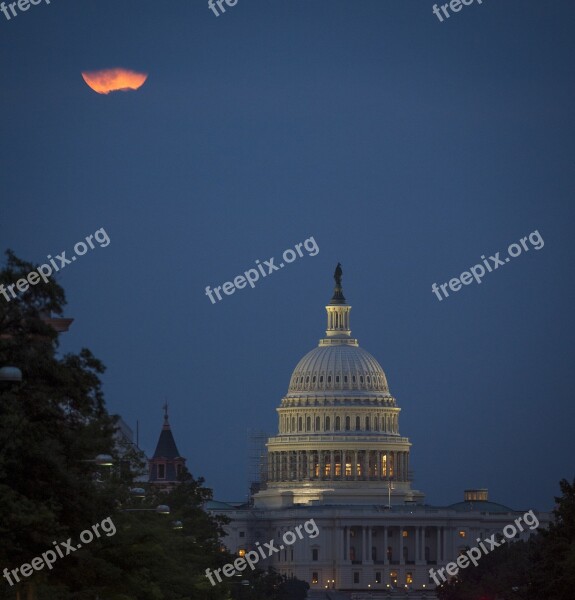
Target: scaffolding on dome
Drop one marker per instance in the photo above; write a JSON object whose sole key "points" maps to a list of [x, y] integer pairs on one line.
{"points": [[257, 460]]}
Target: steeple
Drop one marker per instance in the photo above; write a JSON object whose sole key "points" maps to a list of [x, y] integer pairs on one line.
{"points": [[166, 465], [338, 329]]}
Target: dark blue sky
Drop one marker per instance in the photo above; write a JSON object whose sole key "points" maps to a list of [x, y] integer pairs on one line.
{"points": [[406, 147]]}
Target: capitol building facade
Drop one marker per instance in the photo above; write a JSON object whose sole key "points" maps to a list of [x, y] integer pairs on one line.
{"points": [[339, 459]]}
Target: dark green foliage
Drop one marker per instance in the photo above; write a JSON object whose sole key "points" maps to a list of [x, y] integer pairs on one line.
{"points": [[52, 426]]}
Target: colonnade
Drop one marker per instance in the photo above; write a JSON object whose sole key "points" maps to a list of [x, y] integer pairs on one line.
{"points": [[396, 548], [344, 465]]}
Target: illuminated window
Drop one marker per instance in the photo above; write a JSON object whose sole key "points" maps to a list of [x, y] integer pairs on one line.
{"points": [[393, 577], [314, 577], [358, 467], [408, 578], [337, 469], [328, 469], [348, 469], [404, 533], [241, 552], [462, 533]]}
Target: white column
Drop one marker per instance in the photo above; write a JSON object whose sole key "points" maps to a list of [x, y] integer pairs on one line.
{"points": [[369, 545], [385, 544], [348, 538], [422, 552], [332, 465]]}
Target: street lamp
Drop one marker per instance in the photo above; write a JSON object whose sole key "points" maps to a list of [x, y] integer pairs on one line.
{"points": [[161, 509], [10, 375]]}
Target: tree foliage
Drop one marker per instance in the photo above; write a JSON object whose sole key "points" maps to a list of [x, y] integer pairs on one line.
{"points": [[52, 426]]}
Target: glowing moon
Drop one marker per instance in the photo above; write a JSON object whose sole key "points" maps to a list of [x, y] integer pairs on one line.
{"points": [[114, 80]]}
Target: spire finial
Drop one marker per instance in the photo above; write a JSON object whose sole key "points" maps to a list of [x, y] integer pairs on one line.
{"points": [[166, 422]]}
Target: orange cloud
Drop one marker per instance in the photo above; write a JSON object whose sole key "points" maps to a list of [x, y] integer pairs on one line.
{"points": [[114, 80]]}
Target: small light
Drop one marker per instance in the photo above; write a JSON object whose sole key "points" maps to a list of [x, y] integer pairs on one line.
{"points": [[241, 552], [104, 460]]}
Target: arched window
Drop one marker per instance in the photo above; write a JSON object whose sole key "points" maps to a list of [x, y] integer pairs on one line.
{"points": [[317, 423], [337, 423], [367, 423], [299, 424], [357, 424], [293, 424], [347, 423], [327, 424], [376, 426], [308, 424]]}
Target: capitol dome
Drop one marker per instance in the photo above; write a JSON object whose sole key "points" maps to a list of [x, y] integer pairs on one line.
{"points": [[343, 367], [338, 437]]}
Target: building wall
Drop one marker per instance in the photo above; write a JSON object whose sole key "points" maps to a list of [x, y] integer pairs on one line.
{"points": [[352, 542]]}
